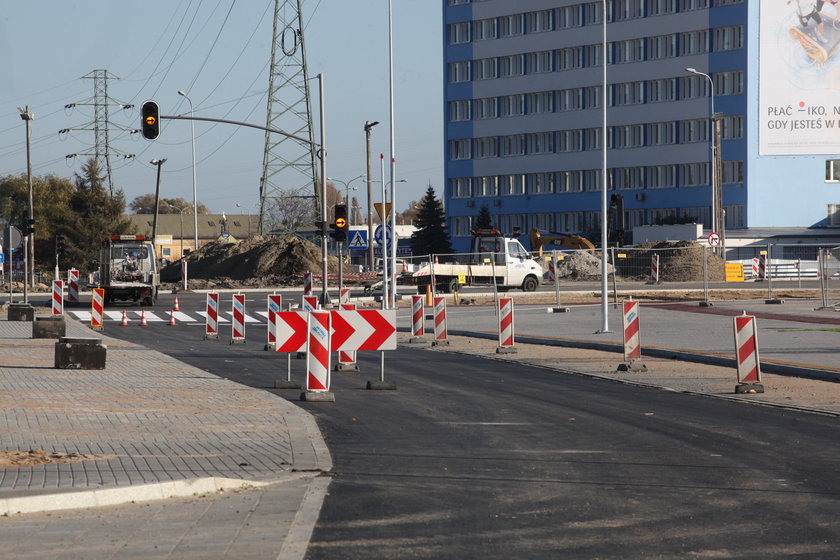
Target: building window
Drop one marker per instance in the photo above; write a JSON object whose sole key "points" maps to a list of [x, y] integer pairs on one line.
{"points": [[594, 97], [569, 141], [484, 29], [512, 105], [833, 214], [661, 215], [541, 21], [664, 46], [540, 221], [486, 108], [689, 5], [832, 171], [570, 222], [166, 252], [458, 2], [629, 93], [733, 172], [459, 72], [719, 3], [632, 50], [460, 149], [694, 42], [700, 214], [485, 186], [729, 83], [734, 216], [570, 99], [694, 130], [512, 223], [594, 13], [629, 9], [629, 136], [729, 38], [541, 183], [629, 178], [592, 138], [511, 184], [692, 87], [541, 143], [570, 16], [485, 148], [694, 174], [513, 65], [570, 58], [459, 110], [732, 127], [510, 26], [540, 103], [662, 176], [462, 226], [662, 134], [461, 187], [540, 62], [569, 181], [594, 58], [459, 33], [513, 145], [662, 90], [485, 69], [661, 7]]}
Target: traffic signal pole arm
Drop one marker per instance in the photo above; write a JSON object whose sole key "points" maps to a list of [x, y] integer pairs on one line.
{"points": [[239, 123]]}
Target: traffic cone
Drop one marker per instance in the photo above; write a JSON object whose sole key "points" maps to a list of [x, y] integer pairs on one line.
{"points": [[124, 322], [430, 302], [172, 322], [143, 322], [176, 307]]}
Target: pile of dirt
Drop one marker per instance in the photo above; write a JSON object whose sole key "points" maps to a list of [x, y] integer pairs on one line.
{"points": [[581, 265], [258, 262], [679, 261]]}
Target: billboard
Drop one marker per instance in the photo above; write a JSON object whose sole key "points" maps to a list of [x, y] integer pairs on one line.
{"points": [[799, 109]]}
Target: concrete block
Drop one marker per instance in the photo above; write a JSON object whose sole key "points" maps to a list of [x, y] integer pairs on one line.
{"points": [[80, 353], [381, 385], [317, 396], [21, 312], [49, 327], [506, 350]]}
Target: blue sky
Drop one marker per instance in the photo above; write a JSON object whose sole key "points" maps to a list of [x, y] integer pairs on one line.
{"points": [[158, 47]]}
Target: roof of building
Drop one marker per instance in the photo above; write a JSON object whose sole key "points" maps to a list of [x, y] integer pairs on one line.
{"points": [[209, 225]]}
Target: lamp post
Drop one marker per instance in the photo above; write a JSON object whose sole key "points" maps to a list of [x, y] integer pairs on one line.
{"points": [[717, 210], [195, 192], [181, 212], [369, 125], [347, 191], [158, 163], [604, 183], [29, 273]]}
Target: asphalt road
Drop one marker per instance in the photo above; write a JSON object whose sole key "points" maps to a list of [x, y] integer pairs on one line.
{"points": [[475, 458]]}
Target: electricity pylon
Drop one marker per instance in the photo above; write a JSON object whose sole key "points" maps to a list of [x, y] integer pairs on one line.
{"points": [[289, 169]]}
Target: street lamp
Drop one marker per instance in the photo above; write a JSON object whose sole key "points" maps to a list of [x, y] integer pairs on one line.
{"points": [[369, 125], [717, 210], [29, 273], [604, 290], [181, 212], [159, 163], [195, 192], [347, 191]]}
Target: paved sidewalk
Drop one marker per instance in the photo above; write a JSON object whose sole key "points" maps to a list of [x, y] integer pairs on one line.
{"points": [[158, 428]]}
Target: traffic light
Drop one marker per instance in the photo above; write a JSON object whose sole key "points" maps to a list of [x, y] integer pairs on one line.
{"points": [[150, 120], [340, 222]]}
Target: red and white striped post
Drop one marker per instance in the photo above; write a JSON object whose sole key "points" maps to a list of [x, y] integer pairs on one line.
{"points": [[211, 322], [237, 326], [755, 268], [762, 265], [344, 295], [318, 359], [72, 287], [746, 347], [274, 306], [552, 274], [440, 321], [307, 284], [417, 319], [97, 304], [309, 303], [654, 269], [632, 338], [506, 338], [347, 358], [57, 297]]}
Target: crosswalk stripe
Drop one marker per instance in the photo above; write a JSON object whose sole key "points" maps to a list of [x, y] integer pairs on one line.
{"points": [[220, 319]]}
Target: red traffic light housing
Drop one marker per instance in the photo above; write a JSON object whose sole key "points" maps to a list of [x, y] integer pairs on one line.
{"points": [[150, 120], [340, 224]]}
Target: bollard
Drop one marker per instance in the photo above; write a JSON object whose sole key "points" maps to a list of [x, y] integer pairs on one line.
{"points": [[654, 269], [72, 287], [440, 322], [57, 297], [417, 320], [632, 339], [274, 305], [506, 337], [97, 303], [307, 284], [318, 359], [347, 358], [211, 321], [237, 325], [48, 327], [746, 348], [80, 353]]}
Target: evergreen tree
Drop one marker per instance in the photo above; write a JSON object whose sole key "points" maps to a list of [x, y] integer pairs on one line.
{"points": [[484, 220], [431, 236]]}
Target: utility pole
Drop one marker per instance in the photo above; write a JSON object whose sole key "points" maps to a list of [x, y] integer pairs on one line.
{"points": [[29, 272], [717, 185], [159, 163], [368, 126]]}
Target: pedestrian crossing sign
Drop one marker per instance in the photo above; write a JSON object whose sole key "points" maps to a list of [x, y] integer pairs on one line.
{"points": [[358, 240]]}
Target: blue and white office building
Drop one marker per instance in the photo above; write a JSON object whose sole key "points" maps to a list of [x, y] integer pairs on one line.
{"points": [[523, 112]]}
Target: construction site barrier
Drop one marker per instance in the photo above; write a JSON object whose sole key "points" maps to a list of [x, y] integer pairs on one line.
{"points": [[746, 347], [307, 284], [211, 321], [318, 355], [73, 287], [441, 335], [274, 304], [237, 333], [97, 304], [506, 336], [417, 318], [57, 297]]}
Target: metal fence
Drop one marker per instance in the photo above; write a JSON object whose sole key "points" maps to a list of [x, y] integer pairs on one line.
{"points": [[829, 269]]}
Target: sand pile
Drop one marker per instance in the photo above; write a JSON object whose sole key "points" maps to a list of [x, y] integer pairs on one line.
{"points": [[581, 265], [679, 261]]}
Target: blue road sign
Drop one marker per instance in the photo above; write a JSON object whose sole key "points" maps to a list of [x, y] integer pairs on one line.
{"points": [[357, 239]]}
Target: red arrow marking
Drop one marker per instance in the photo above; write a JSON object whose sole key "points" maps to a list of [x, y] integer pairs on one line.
{"points": [[383, 329], [342, 330], [301, 329]]}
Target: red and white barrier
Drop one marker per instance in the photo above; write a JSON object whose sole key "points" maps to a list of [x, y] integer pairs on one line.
{"points": [[632, 338], [57, 297], [318, 354], [364, 329], [654, 269], [291, 331], [440, 322], [344, 296], [347, 358], [97, 304], [417, 319], [211, 321], [552, 270], [307, 284], [274, 305], [73, 287], [237, 329], [755, 268], [309, 303], [762, 265], [506, 338], [746, 346]]}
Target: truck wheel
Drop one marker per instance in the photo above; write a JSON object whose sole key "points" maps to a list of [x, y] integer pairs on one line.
{"points": [[530, 284], [453, 286]]}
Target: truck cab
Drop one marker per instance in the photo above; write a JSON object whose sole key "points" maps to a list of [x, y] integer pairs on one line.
{"points": [[128, 269]]}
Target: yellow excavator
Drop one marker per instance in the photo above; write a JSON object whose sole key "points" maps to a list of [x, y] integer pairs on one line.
{"points": [[564, 240]]}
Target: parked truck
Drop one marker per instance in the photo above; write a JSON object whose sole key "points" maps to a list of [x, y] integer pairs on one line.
{"points": [[493, 258], [128, 270]]}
